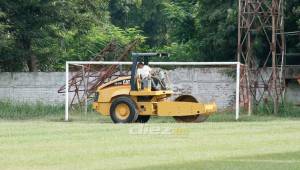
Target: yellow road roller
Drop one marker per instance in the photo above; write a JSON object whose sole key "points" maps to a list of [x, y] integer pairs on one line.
{"points": [[126, 99]]}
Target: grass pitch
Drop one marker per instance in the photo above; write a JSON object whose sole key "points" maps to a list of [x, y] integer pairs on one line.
{"points": [[48, 145]]}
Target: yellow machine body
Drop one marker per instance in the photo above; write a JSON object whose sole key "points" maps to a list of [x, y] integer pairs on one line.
{"points": [[151, 102], [129, 99]]}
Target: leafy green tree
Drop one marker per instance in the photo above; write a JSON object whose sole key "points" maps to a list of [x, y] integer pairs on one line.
{"points": [[203, 30], [216, 24], [292, 24], [43, 34], [33, 28], [86, 46], [147, 15]]}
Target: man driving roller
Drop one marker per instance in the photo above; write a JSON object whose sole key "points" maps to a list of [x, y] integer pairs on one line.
{"points": [[144, 72]]}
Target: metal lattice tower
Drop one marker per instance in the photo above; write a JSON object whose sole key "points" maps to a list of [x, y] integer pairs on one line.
{"points": [[261, 20]]}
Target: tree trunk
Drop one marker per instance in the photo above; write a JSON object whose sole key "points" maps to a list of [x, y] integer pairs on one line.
{"points": [[32, 63]]}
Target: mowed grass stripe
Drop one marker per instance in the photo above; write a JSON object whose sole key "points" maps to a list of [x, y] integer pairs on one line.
{"points": [[59, 145]]}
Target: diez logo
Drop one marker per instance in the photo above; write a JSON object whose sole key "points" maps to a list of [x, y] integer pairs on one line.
{"points": [[156, 130]]}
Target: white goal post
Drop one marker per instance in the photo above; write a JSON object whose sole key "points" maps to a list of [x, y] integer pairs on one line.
{"points": [[236, 64]]}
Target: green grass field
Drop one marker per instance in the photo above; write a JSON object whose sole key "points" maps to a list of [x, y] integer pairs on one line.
{"points": [[77, 145]]}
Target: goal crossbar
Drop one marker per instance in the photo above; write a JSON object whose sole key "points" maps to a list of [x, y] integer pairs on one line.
{"points": [[237, 64]]}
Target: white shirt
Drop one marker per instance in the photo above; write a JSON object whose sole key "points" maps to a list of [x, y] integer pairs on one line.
{"points": [[144, 72]]}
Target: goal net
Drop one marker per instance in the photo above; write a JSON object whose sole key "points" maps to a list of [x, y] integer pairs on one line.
{"points": [[206, 81]]}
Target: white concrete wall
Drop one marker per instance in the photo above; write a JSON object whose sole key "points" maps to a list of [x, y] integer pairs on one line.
{"points": [[293, 92], [32, 87], [206, 84]]}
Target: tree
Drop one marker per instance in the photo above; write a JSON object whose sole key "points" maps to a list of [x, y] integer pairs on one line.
{"points": [[216, 25], [148, 15], [202, 30], [33, 27], [292, 24], [43, 34]]}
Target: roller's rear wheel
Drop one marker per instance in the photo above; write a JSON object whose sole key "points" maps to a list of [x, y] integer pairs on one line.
{"points": [[123, 110], [192, 118]]}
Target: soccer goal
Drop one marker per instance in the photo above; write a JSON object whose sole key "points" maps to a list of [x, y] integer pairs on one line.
{"points": [[207, 81]]}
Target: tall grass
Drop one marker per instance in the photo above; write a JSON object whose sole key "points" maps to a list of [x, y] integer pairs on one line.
{"points": [[40, 111], [23, 111], [285, 110]]}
